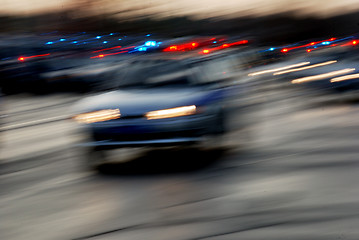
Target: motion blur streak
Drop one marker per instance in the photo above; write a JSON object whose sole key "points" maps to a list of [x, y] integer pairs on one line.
{"points": [[106, 49], [304, 68], [98, 116], [234, 44], [322, 76], [108, 54], [279, 69], [325, 42], [343, 78], [41, 55], [173, 112]]}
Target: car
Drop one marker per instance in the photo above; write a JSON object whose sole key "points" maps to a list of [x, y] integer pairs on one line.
{"points": [[159, 102]]}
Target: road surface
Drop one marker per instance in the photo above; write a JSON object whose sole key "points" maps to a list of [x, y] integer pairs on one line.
{"points": [[292, 174]]}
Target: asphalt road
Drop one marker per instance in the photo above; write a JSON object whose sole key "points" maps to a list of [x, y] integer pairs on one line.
{"points": [[291, 174]]}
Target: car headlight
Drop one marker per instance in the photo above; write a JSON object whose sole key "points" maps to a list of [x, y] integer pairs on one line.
{"points": [[171, 112], [98, 116]]}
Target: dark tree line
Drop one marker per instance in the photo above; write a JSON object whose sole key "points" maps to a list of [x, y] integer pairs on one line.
{"points": [[276, 29]]}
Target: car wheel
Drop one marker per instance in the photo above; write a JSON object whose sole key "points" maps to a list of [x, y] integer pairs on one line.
{"points": [[221, 123], [93, 158]]}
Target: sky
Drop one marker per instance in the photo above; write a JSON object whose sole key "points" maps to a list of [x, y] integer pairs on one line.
{"points": [[199, 8]]}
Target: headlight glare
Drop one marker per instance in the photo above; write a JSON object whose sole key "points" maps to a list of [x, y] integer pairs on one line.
{"points": [[98, 116], [171, 112]]}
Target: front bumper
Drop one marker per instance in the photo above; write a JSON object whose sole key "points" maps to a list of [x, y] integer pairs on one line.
{"points": [[107, 144], [142, 132]]}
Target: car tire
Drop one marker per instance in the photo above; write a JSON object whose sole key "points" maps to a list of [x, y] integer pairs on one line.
{"points": [[221, 123], [93, 158]]}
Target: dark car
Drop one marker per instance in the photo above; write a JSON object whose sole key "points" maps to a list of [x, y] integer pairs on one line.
{"points": [[159, 103]]}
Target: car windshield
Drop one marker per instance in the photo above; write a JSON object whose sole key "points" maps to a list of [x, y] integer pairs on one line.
{"points": [[173, 73], [155, 74]]}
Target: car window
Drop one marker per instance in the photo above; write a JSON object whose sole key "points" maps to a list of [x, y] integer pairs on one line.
{"points": [[212, 71], [154, 74], [146, 74]]}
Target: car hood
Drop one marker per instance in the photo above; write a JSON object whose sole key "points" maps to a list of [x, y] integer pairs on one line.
{"points": [[138, 102]]}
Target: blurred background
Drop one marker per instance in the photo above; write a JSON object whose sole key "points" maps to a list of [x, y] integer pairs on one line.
{"points": [[287, 167], [268, 20]]}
